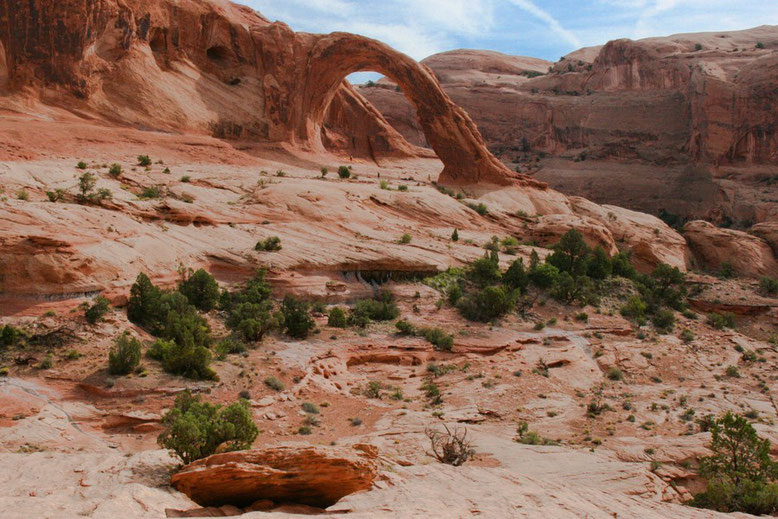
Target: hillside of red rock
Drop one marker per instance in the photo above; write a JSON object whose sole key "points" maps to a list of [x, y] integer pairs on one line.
{"points": [[166, 136], [685, 123]]}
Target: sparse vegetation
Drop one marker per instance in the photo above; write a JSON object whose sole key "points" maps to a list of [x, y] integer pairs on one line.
{"points": [[271, 244], [450, 447], [94, 313], [740, 475], [297, 320], [124, 355], [144, 161], [196, 429], [344, 172]]}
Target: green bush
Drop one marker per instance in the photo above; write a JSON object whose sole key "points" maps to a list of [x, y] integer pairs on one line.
{"points": [[97, 310], [187, 359], [721, 321], [344, 172], [635, 308], [516, 276], [115, 170], [727, 270], [124, 355], [382, 309], [56, 195], [600, 265], [484, 271], [571, 254], [196, 429], [201, 290], [664, 320], [405, 328], [405, 239], [144, 160], [144, 303], [479, 208], [274, 384], [150, 192], [337, 318], [9, 336], [686, 336], [230, 346], [439, 339], [455, 235], [297, 321], [573, 290], [250, 311], [615, 374], [768, 285], [740, 474], [271, 244], [487, 304], [759, 45], [544, 275], [82, 165]]}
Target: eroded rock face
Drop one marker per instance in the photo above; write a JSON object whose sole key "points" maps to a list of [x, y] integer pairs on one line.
{"points": [[712, 247], [223, 69], [313, 476]]}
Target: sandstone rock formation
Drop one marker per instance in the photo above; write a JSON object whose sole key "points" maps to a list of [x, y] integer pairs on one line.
{"points": [[223, 69], [712, 246], [633, 123], [313, 476]]}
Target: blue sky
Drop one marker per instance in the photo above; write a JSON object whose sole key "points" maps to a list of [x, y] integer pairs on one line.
{"points": [[543, 29]]}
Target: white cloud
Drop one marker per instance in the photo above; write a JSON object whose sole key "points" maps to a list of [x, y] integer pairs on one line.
{"points": [[552, 22]]}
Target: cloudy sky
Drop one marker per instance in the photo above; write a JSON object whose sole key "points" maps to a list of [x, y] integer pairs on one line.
{"points": [[545, 29]]}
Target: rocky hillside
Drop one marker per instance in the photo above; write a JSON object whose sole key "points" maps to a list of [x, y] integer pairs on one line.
{"points": [[687, 113]]}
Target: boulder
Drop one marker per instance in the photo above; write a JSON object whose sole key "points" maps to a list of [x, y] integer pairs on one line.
{"points": [[712, 247], [313, 476]]}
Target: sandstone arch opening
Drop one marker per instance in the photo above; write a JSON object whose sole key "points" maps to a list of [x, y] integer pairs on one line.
{"points": [[449, 130]]}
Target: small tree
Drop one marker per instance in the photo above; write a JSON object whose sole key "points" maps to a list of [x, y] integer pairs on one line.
{"points": [[337, 318], [95, 313], [344, 172], [144, 160], [86, 183], [196, 429], [455, 235], [124, 355], [741, 476], [516, 276], [201, 290], [570, 254], [297, 317]]}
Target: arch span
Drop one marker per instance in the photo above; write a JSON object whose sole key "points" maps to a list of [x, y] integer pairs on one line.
{"points": [[449, 130]]}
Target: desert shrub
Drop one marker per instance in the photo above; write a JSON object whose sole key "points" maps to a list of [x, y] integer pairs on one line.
{"points": [[274, 384], [86, 183], [768, 285], [337, 318], [56, 195], [635, 308], [271, 244], [308, 407], [615, 374], [382, 309], [230, 346], [527, 437], [516, 276], [405, 328], [544, 275], [186, 359], [727, 270], [664, 320], [402, 188], [150, 192], [721, 321], [324, 171], [455, 235], [115, 170], [664, 287], [405, 239], [297, 321], [732, 372], [479, 208], [97, 310], [144, 160], [344, 172], [250, 312], [600, 265], [201, 290], [82, 165], [438, 338], [740, 475], [571, 254], [124, 355], [487, 304], [759, 45], [573, 290], [484, 271], [143, 305], [450, 447], [9, 336], [196, 429], [686, 335]]}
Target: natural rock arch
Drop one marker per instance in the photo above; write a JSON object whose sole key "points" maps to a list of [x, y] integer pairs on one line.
{"points": [[449, 130]]}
